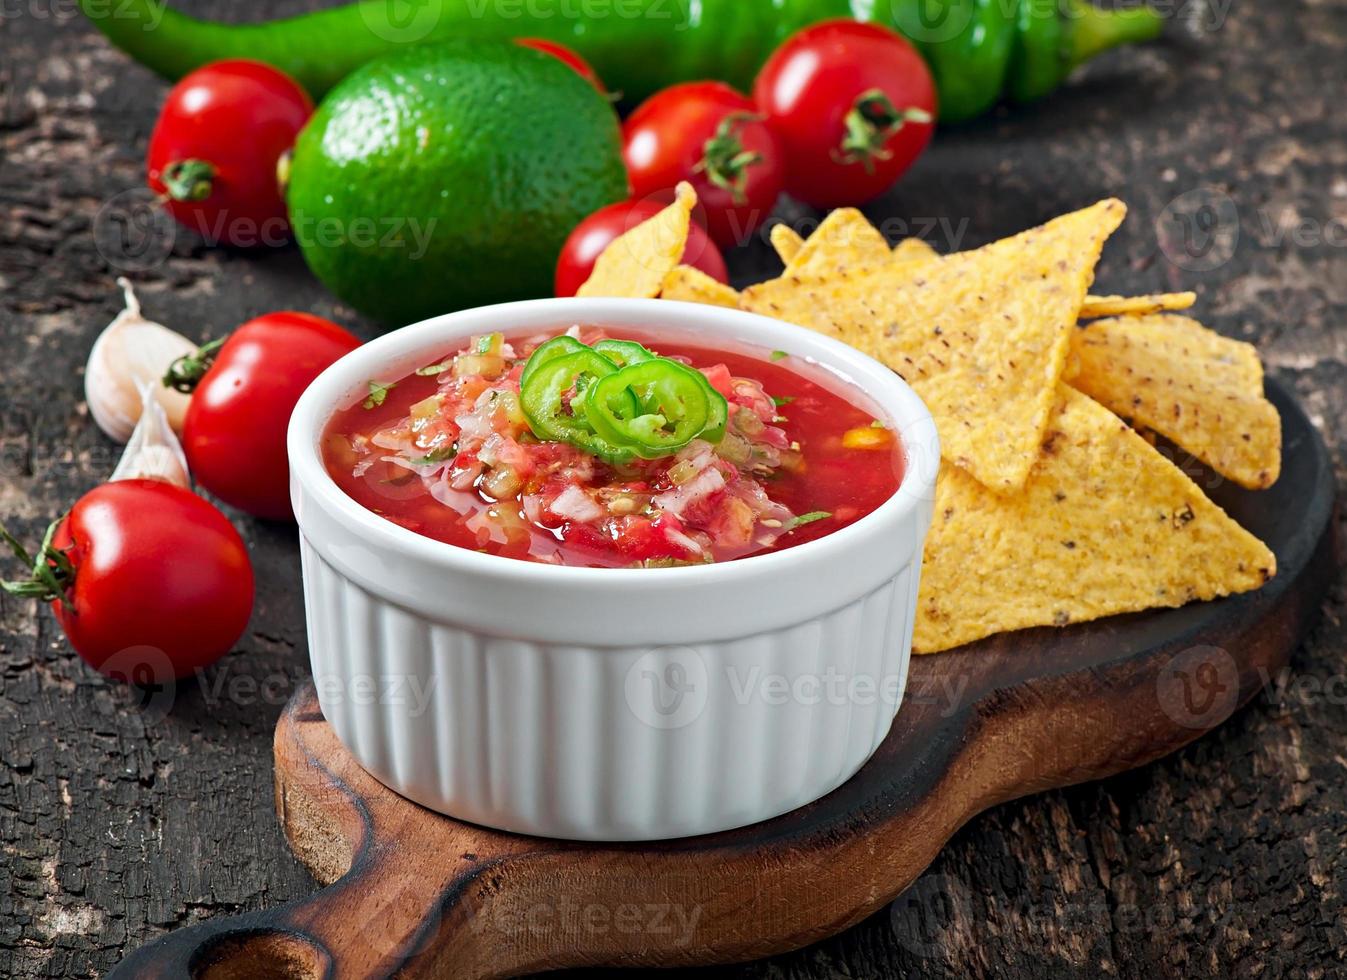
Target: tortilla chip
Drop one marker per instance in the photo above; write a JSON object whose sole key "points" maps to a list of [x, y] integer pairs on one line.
{"points": [[787, 242], [1071, 370], [1198, 389], [981, 336], [636, 264], [1102, 306], [914, 251], [1105, 525], [845, 240], [694, 286]]}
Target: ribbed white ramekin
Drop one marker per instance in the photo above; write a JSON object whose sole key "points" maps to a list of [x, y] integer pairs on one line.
{"points": [[609, 704]]}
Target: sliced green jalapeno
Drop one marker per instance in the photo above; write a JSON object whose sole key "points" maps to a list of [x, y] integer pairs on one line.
{"points": [[624, 353], [675, 407], [625, 401], [553, 349], [543, 399]]}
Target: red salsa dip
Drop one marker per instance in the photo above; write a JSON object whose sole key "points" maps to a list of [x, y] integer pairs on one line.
{"points": [[449, 452]]}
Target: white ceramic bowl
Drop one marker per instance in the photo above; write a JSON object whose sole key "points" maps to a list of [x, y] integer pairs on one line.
{"points": [[609, 704]]}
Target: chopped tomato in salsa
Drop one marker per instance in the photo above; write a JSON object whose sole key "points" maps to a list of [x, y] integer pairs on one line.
{"points": [[448, 453]]}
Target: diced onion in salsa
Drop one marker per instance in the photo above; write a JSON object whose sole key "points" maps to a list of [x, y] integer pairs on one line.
{"points": [[449, 453]]}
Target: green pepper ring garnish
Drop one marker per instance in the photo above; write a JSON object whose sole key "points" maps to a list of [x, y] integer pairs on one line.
{"points": [[674, 407], [543, 402], [552, 349], [628, 401], [624, 353]]}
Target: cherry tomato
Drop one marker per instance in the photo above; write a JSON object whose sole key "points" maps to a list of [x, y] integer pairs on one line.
{"points": [[148, 581], [216, 148], [853, 105], [572, 58], [714, 137], [595, 233], [234, 432]]}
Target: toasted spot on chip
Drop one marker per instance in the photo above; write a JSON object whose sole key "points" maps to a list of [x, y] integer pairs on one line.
{"points": [[787, 242], [1198, 389], [1104, 525], [636, 264], [694, 286], [982, 336], [1101, 306]]}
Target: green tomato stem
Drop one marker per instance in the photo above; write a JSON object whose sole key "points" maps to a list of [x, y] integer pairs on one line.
{"points": [[186, 373], [189, 180], [51, 573]]}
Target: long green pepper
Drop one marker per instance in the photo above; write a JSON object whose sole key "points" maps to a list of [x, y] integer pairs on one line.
{"points": [[980, 51]]}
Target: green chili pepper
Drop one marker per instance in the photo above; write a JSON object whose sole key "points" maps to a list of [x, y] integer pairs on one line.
{"points": [[543, 400], [551, 350], [627, 352], [980, 51], [966, 43], [719, 418], [624, 353], [625, 400], [674, 407], [1035, 67]]}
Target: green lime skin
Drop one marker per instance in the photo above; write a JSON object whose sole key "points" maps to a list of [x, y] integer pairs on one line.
{"points": [[448, 177]]}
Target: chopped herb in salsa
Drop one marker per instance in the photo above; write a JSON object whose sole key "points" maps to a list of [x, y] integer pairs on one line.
{"points": [[378, 393]]}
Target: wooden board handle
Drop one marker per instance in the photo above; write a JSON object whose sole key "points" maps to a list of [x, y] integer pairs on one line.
{"points": [[371, 923]]}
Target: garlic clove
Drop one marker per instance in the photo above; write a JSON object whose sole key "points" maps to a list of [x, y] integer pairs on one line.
{"points": [[153, 452], [133, 351]]}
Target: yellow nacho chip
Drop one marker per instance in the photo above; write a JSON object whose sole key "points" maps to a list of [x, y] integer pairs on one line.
{"points": [[694, 286], [981, 336], [787, 242], [1105, 525], [844, 240], [1202, 391], [914, 252], [636, 264], [1101, 306]]}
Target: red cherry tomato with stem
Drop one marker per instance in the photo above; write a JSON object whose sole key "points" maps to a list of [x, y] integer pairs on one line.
{"points": [[244, 390], [713, 137], [595, 233], [572, 58], [853, 105], [217, 147], [149, 581]]}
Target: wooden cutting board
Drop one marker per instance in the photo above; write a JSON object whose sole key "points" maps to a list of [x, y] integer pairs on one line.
{"points": [[414, 894]]}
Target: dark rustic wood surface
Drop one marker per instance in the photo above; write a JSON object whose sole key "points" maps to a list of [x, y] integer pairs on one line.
{"points": [[119, 822]]}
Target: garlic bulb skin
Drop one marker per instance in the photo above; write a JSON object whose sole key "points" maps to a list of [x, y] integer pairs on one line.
{"points": [[131, 352], [154, 452]]}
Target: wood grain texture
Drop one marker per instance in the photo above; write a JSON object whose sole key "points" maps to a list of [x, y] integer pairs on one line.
{"points": [[414, 895], [1228, 859]]}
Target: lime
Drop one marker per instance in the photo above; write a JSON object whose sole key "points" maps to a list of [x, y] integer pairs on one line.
{"points": [[449, 176]]}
